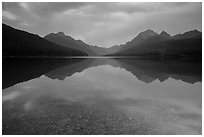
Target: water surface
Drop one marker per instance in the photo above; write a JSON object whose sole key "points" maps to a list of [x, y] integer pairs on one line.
{"points": [[101, 96]]}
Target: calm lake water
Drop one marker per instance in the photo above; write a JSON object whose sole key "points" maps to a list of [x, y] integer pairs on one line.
{"points": [[101, 96]]}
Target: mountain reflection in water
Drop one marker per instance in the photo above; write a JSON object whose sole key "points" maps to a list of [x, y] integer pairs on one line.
{"points": [[101, 96]]}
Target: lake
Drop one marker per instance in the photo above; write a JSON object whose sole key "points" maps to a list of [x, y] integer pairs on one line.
{"points": [[101, 96]]}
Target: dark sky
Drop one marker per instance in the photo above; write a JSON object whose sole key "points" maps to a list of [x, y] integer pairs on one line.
{"points": [[103, 24]]}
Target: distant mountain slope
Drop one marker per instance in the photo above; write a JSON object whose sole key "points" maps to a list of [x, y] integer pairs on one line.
{"points": [[189, 34], [67, 41], [142, 36], [167, 49], [163, 45], [113, 49], [148, 36], [61, 39], [104, 51], [20, 43], [99, 50]]}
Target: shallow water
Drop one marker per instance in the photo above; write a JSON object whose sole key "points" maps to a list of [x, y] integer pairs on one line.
{"points": [[101, 96]]}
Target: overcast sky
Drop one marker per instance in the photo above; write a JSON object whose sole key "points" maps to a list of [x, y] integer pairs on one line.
{"points": [[103, 24]]}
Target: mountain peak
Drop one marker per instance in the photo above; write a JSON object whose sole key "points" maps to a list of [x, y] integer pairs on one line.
{"points": [[195, 30], [164, 34], [146, 34], [142, 36], [148, 30], [60, 33]]}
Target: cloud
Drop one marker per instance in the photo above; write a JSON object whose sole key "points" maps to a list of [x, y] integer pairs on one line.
{"points": [[102, 24], [8, 15]]}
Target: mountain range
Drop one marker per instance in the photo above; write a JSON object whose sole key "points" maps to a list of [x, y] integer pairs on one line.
{"points": [[151, 44], [64, 40], [146, 44]]}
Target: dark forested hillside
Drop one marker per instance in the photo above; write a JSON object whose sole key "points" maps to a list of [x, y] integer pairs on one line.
{"points": [[20, 43]]}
